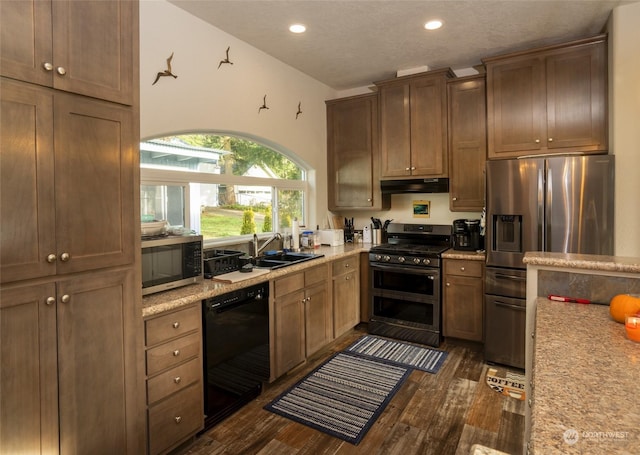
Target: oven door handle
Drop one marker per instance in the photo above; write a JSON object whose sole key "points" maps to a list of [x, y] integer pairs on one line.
{"points": [[430, 272]]}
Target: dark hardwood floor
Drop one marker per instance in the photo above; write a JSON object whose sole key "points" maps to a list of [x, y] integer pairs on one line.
{"points": [[443, 413]]}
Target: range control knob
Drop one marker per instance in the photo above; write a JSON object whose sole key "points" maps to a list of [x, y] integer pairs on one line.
{"points": [[386, 258], [416, 261], [426, 261], [401, 259], [378, 257]]}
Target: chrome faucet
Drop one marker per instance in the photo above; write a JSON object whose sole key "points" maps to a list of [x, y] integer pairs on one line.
{"points": [[256, 250]]}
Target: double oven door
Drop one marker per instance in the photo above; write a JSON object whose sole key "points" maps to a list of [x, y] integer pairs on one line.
{"points": [[405, 303]]}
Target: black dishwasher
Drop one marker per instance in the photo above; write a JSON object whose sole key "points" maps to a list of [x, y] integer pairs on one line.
{"points": [[236, 350]]}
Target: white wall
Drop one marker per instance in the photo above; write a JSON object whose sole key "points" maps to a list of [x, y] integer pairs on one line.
{"points": [[624, 140], [204, 98]]}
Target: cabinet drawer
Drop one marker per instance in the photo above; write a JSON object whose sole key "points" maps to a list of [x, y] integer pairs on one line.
{"points": [[174, 380], [175, 419], [172, 353], [315, 275], [288, 284], [464, 268], [345, 265], [168, 326]]}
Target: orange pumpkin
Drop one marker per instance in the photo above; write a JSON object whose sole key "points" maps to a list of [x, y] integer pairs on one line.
{"points": [[622, 305]]}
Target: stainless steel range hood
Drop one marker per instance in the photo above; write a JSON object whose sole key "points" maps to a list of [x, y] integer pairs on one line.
{"points": [[435, 185]]}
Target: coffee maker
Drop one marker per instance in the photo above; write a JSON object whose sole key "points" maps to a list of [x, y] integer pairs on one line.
{"points": [[466, 235]]}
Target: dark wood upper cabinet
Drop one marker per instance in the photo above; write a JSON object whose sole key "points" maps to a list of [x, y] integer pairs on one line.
{"points": [[413, 125], [352, 153], [75, 46], [549, 100], [467, 142]]}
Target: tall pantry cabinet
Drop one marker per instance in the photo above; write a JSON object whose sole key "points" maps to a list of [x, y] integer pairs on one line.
{"points": [[70, 307]]}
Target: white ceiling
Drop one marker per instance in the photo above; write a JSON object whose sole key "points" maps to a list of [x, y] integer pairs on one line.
{"points": [[352, 43]]}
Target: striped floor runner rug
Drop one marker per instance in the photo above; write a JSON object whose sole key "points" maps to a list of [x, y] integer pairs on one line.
{"points": [[343, 397], [400, 353]]}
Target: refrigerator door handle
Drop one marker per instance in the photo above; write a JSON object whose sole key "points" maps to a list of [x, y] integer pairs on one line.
{"points": [[542, 241]]}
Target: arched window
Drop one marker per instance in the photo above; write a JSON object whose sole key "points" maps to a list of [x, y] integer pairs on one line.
{"points": [[220, 186]]}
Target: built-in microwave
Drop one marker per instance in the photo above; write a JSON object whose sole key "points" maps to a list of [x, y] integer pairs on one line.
{"points": [[170, 262]]}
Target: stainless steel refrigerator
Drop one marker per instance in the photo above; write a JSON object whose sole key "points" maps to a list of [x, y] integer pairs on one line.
{"points": [[557, 204]]}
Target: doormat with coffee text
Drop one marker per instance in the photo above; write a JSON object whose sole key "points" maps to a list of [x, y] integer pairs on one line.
{"points": [[506, 382]]}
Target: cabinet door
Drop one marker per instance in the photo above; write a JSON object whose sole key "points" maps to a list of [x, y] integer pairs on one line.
{"points": [[429, 127], [516, 111], [289, 332], [95, 161], [28, 377], [97, 362], [467, 144], [94, 43], [576, 98], [25, 41], [346, 302], [395, 131], [352, 132], [27, 204], [318, 322], [463, 307]]}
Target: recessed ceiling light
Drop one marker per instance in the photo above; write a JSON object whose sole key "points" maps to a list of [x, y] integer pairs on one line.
{"points": [[433, 25], [297, 28]]}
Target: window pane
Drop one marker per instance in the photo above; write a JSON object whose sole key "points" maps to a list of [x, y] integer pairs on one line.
{"points": [[163, 202], [290, 206], [231, 210]]}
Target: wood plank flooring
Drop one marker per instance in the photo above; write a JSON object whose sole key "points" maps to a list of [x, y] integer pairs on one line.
{"points": [[441, 414]]}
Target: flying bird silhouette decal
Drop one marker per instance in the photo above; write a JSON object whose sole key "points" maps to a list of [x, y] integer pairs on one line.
{"points": [[226, 60], [166, 72], [264, 104], [299, 110]]}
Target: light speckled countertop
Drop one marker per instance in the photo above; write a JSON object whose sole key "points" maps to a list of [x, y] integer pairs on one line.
{"points": [[584, 261], [586, 382], [465, 255], [169, 300]]}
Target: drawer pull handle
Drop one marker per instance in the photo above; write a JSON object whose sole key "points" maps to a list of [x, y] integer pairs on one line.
{"points": [[177, 379], [462, 269], [178, 419], [176, 325], [176, 353]]}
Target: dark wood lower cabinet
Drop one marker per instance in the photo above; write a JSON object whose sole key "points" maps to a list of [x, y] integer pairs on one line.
{"points": [[463, 299]]}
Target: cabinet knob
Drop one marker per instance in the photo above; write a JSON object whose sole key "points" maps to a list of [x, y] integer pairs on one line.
{"points": [[61, 71], [176, 353], [537, 141], [454, 198], [50, 300], [177, 379], [47, 66], [51, 258], [407, 169], [178, 419], [462, 269], [530, 402], [175, 325], [368, 199], [65, 298], [413, 168], [533, 335], [448, 284], [550, 139], [347, 277], [64, 257]]}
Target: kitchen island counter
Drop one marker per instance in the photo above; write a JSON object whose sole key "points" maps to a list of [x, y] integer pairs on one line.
{"points": [[168, 300]]}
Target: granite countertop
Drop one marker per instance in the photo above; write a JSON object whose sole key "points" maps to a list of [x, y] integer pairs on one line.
{"points": [[584, 261], [585, 382], [465, 255], [168, 300]]}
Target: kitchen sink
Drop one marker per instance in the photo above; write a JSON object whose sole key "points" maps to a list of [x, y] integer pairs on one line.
{"points": [[284, 259]]}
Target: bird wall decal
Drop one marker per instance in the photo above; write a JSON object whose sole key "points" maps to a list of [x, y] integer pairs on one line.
{"points": [[264, 104], [166, 72], [226, 60], [299, 110]]}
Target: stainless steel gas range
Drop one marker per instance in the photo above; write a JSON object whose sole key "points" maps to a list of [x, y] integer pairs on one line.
{"points": [[406, 282]]}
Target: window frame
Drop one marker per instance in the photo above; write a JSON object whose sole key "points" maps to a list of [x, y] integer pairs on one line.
{"points": [[158, 176]]}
